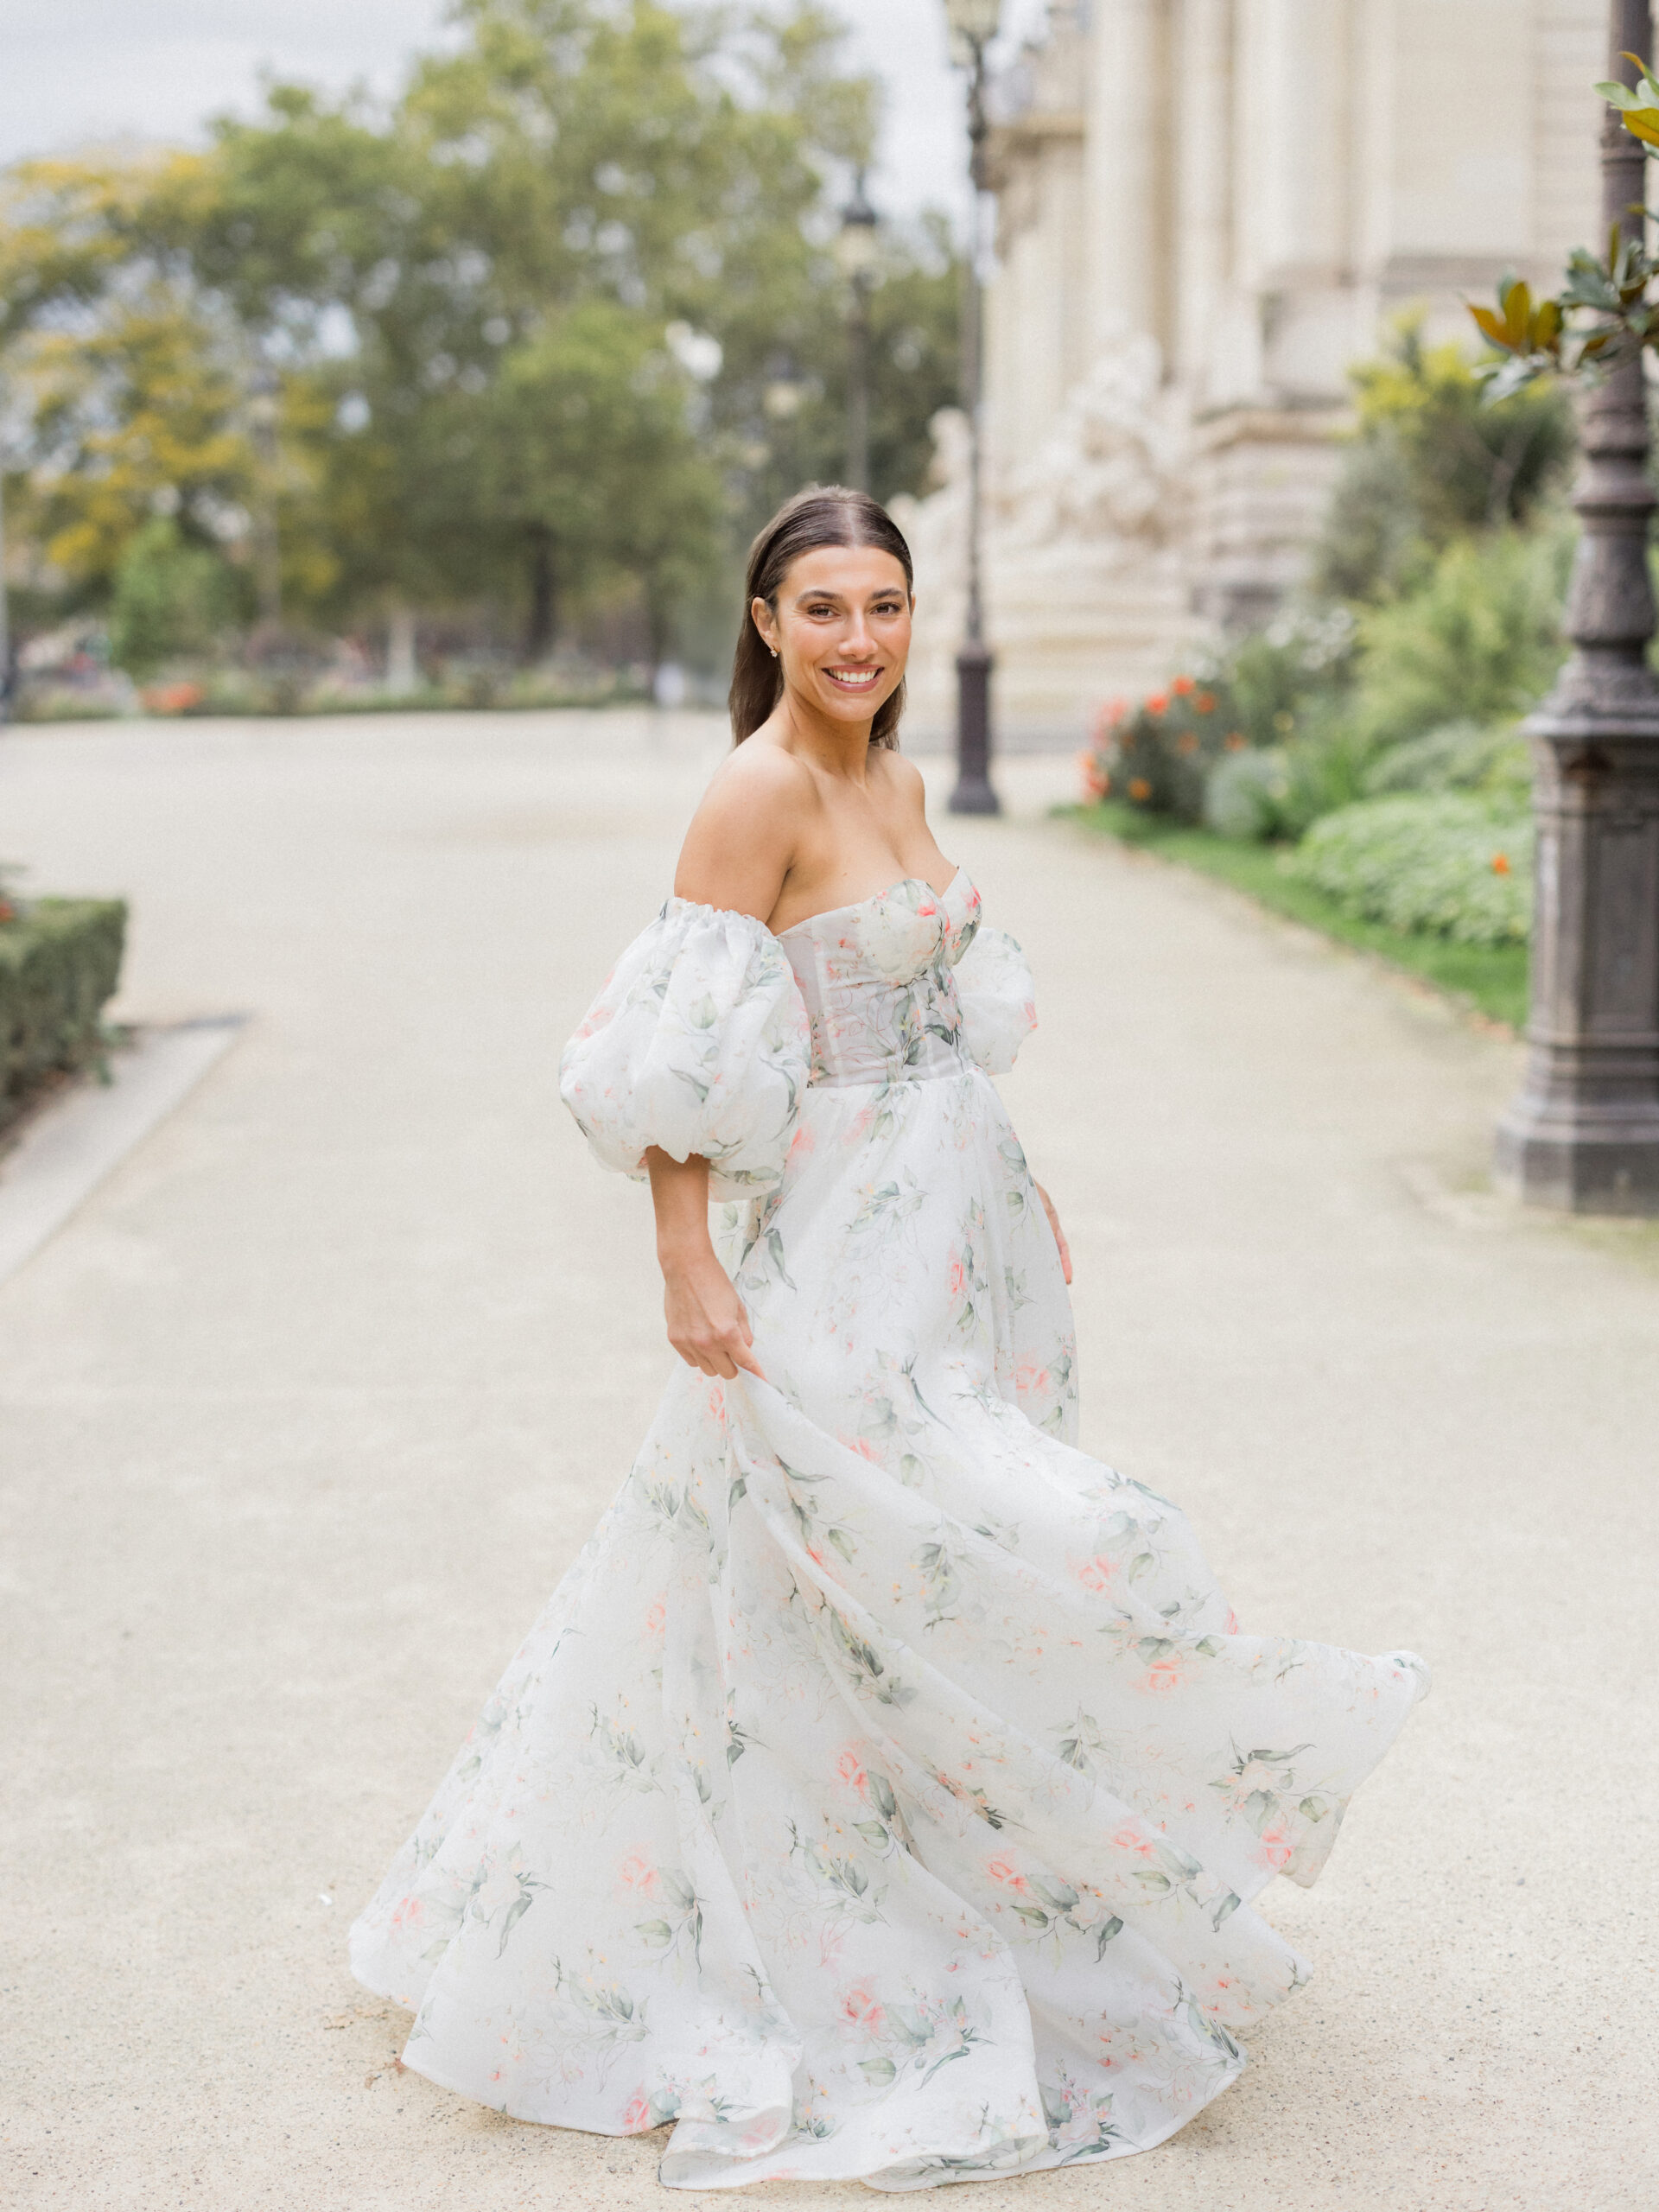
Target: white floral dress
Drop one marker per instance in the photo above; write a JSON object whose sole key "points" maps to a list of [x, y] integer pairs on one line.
{"points": [[883, 1790]]}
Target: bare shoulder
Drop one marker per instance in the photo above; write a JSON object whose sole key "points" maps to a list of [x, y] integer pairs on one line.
{"points": [[744, 834], [902, 779]]}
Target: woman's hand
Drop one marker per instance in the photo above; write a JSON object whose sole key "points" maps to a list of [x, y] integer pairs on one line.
{"points": [[1059, 1234], [707, 1323]]}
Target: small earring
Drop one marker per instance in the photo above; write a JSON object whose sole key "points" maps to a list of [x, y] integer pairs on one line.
{"points": [[773, 649]]}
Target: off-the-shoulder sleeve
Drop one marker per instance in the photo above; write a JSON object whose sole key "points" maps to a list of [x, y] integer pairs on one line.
{"points": [[998, 1002], [698, 1043]]}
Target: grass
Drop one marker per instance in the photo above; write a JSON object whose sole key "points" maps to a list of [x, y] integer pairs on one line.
{"points": [[1492, 979]]}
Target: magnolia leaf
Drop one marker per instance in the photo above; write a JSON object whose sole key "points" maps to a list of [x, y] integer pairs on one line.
{"points": [[1642, 123], [1489, 326], [1517, 314], [1547, 325]]}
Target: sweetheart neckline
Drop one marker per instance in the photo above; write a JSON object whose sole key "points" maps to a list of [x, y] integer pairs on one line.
{"points": [[852, 906]]}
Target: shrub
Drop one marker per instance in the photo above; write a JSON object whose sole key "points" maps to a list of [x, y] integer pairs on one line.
{"points": [[1431, 461], [1449, 864], [1459, 756], [60, 963], [1158, 755], [171, 597], [1479, 639], [1246, 794]]}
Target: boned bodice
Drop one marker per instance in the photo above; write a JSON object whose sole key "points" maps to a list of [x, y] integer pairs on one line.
{"points": [[877, 983]]}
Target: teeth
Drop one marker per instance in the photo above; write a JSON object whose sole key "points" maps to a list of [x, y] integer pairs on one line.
{"points": [[840, 676]]}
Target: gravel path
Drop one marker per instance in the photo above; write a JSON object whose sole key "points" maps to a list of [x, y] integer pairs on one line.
{"points": [[307, 1409]]}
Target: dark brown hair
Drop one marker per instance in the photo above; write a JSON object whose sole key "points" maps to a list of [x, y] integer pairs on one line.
{"points": [[828, 514]]}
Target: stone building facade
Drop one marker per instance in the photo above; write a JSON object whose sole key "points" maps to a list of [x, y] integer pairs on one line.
{"points": [[1206, 211]]}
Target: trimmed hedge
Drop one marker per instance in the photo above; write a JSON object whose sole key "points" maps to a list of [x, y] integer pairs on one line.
{"points": [[60, 963]]}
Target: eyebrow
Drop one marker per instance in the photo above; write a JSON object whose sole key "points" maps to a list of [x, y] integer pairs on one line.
{"points": [[885, 591]]}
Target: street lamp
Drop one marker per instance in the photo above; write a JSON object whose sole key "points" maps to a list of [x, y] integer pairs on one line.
{"points": [[1584, 1132], [973, 26], [855, 254]]}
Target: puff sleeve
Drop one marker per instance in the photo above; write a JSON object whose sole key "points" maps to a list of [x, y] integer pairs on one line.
{"points": [[994, 990], [698, 1043]]}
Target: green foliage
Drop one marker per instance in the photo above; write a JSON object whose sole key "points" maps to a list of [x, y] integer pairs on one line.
{"points": [[1447, 864], [523, 324], [171, 598], [60, 963], [1478, 639], [1247, 795], [1458, 756], [1431, 461]]}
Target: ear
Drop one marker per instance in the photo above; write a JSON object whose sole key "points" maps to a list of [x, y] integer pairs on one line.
{"points": [[765, 622]]}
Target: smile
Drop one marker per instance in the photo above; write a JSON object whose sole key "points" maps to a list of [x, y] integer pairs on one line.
{"points": [[853, 679]]}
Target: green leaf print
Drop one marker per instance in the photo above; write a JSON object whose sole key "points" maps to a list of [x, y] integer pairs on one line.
{"points": [[878, 2072], [1108, 1928]]}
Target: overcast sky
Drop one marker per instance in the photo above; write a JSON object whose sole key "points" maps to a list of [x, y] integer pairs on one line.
{"points": [[77, 70]]}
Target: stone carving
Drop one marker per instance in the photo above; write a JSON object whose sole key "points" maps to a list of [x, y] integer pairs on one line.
{"points": [[1110, 470]]}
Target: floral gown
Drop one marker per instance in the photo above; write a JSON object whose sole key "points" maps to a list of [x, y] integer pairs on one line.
{"points": [[883, 1790]]}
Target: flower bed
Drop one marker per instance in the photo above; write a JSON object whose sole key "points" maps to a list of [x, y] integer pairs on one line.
{"points": [[60, 963]]}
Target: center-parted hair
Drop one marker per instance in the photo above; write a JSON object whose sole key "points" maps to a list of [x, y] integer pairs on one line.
{"points": [[828, 514]]}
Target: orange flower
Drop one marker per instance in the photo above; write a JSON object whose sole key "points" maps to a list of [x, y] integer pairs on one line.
{"points": [[1140, 788], [1159, 703], [8, 911], [636, 2116], [1500, 863], [1206, 703], [1236, 740], [1183, 687], [861, 2008]]}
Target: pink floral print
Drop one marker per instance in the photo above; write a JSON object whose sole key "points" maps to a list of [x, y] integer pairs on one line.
{"points": [[885, 1792]]}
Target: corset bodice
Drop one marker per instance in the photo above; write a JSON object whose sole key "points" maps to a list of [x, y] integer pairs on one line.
{"points": [[876, 979]]}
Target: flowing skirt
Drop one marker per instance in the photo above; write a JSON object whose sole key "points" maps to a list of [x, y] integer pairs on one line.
{"points": [[883, 1790]]}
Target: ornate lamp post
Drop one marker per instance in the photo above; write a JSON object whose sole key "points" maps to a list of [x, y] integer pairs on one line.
{"points": [[973, 26], [855, 253], [1584, 1133]]}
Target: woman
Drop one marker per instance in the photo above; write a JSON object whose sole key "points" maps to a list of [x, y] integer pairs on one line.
{"points": [[883, 1793]]}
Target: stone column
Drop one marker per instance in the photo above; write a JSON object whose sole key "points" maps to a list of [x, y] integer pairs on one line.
{"points": [[1131, 258], [1584, 1133]]}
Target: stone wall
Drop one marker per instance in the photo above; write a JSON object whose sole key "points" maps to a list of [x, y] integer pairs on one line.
{"points": [[1206, 211]]}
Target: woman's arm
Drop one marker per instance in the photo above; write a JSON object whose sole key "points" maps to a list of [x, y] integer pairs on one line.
{"points": [[1054, 1223], [736, 854], [707, 1324]]}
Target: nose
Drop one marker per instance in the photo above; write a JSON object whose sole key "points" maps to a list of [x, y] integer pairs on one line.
{"points": [[858, 643]]}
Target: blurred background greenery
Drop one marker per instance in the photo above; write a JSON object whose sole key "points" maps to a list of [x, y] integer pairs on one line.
{"points": [[476, 395]]}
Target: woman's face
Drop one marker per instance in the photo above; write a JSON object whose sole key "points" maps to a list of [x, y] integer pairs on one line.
{"points": [[841, 629]]}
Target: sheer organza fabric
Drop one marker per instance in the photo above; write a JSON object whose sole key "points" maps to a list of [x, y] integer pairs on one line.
{"points": [[884, 1792]]}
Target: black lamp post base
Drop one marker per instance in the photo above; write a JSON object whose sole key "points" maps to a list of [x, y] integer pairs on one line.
{"points": [[974, 794], [1612, 1171]]}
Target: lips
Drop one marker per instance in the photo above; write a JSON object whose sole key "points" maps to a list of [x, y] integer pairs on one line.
{"points": [[851, 679]]}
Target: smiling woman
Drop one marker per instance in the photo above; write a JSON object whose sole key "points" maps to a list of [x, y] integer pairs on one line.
{"points": [[882, 1795]]}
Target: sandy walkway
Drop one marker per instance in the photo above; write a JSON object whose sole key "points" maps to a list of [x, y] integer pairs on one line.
{"points": [[304, 1414]]}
